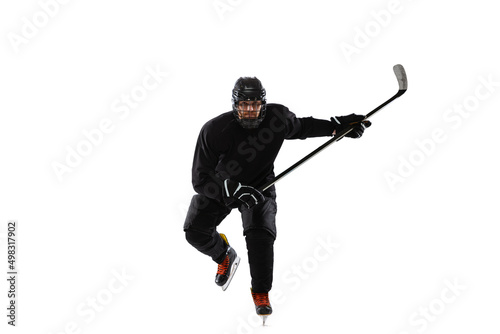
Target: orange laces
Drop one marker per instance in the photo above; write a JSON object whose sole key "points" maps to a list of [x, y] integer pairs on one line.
{"points": [[222, 268]]}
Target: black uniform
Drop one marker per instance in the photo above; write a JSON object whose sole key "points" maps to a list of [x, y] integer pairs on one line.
{"points": [[225, 150]]}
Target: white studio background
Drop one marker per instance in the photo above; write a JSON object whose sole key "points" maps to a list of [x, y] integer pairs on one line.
{"points": [[393, 233]]}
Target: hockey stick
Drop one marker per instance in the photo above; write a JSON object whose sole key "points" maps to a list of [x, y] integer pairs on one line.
{"points": [[400, 73]]}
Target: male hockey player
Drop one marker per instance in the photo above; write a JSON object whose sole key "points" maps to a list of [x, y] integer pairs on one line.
{"points": [[234, 156]]}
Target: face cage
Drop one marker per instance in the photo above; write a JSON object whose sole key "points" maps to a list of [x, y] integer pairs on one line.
{"points": [[249, 123]]}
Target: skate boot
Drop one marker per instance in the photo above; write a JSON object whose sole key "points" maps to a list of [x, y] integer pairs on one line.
{"points": [[226, 270], [262, 305]]}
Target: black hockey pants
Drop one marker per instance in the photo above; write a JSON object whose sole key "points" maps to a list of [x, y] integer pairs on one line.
{"points": [[259, 229]]}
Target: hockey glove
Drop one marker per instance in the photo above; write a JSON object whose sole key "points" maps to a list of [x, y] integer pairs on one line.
{"points": [[235, 194], [342, 123]]}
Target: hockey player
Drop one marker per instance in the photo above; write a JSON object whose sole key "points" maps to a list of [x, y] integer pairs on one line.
{"points": [[234, 156]]}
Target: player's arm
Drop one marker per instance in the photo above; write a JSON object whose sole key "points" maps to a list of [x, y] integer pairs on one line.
{"points": [[307, 127], [205, 161]]}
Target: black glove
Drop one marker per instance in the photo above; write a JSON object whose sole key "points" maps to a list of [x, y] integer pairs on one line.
{"points": [[235, 194], [343, 122]]}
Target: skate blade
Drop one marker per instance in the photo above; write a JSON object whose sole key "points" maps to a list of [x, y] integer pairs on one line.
{"points": [[264, 318], [233, 271]]}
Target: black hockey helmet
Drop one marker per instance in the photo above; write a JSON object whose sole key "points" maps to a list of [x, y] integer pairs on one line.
{"points": [[249, 89]]}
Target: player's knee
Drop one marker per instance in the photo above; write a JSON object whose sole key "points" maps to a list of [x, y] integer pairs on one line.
{"points": [[259, 234], [196, 238]]}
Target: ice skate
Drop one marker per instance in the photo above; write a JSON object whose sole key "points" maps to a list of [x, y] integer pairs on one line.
{"points": [[262, 305], [227, 269]]}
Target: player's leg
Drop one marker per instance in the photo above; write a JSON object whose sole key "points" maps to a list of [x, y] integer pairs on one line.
{"points": [[259, 226], [204, 215], [202, 219]]}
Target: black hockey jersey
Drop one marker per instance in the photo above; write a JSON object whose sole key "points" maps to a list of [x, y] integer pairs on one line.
{"points": [[224, 149]]}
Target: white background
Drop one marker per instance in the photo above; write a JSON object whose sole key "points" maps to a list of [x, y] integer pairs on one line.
{"points": [[123, 206]]}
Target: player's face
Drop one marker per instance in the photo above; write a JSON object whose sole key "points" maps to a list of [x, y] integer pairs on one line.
{"points": [[249, 109]]}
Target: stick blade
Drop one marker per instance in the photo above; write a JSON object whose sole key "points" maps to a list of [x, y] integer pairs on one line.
{"points": [[400, 72]]}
